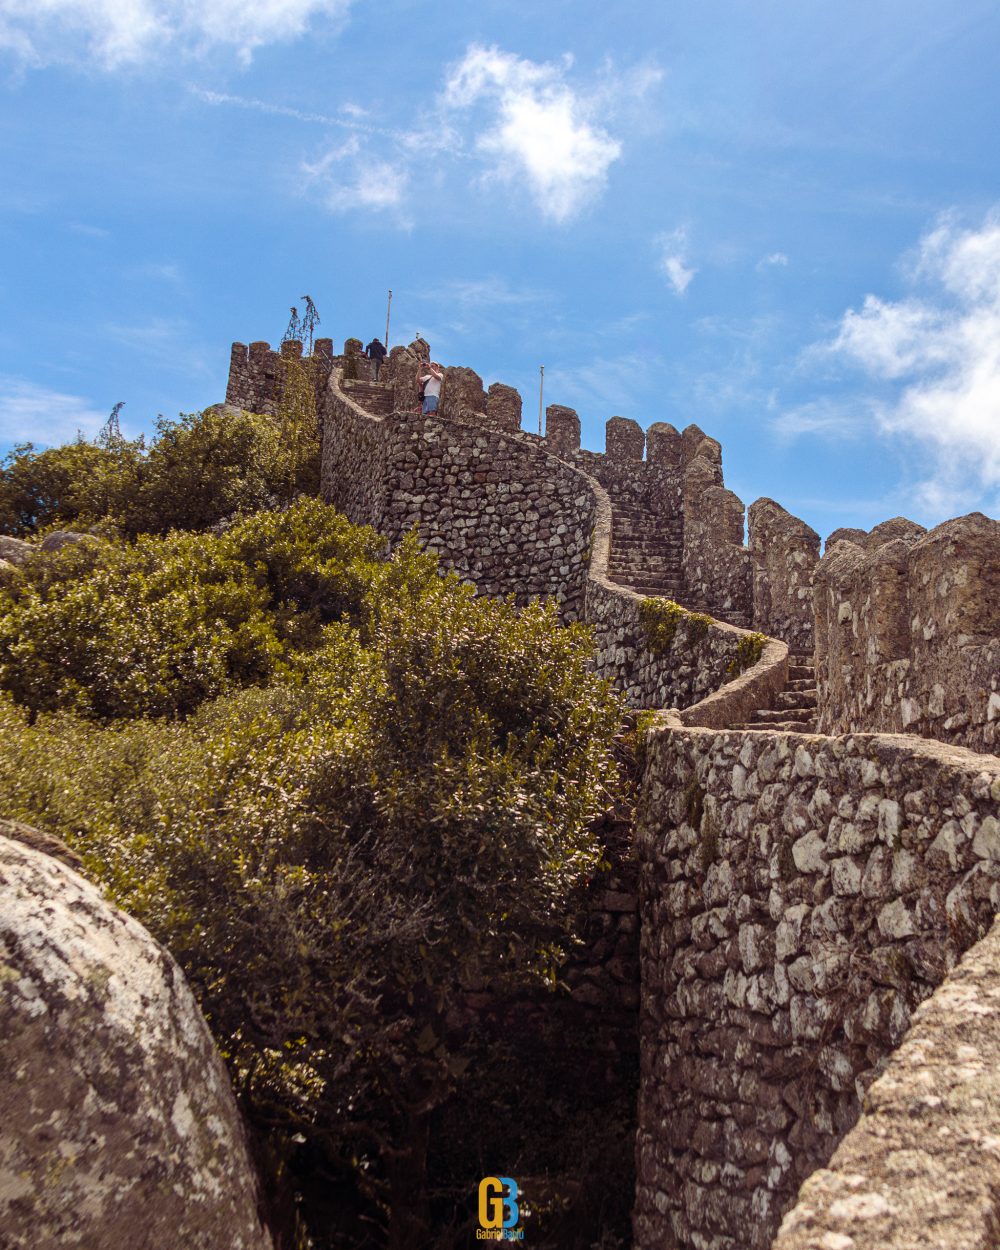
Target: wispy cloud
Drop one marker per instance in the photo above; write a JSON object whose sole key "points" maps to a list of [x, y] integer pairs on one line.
{"points": [[827, 418], [351, 119], [348, 178], [938, 349], [30, 412], [159, 271], [609, 383], [673, 259], [493, 292], [89, 231], [507, 118], [117, 33], [773, 260]]}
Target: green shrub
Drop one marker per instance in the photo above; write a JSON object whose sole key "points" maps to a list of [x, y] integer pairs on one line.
{"points": [[749, 649], [660, 620], [153, 628], [198, 470], [77, 483], [402, 810]]}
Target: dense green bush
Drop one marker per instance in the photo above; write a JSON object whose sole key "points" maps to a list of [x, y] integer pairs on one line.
{"points": [[196, 471], [152, 628], [401, 808], [76, 484]]}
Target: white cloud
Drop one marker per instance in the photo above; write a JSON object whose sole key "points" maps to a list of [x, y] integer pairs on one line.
{"points": [[773, 260], [537, 127], [940, 349], [29, 412], [673, 262], [115, 33]]}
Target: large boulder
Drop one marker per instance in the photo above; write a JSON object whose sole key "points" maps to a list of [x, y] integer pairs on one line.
{"points": [[14, 550], [57, 539], [118, 1126]]}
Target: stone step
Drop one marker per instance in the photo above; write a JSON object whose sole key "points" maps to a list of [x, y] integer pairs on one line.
{"points": [[801, 672], [645, 540], [796, 699], [648, 576], [652, 592], [767, 716], [789, 726], [664, 563], [633, 544], [801, 683]]}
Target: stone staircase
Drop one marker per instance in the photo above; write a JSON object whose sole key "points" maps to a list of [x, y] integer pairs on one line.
{"points": [[646, 552], [794, 708], [374, 397]]}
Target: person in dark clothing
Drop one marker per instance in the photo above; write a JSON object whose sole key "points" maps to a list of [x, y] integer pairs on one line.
{"points": [[376, 353]]}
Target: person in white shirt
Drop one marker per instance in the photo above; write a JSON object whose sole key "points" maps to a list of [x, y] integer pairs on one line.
{"points": [[430, 377]]}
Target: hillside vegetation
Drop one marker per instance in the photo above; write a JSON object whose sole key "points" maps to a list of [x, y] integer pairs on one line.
{"points": [[337, 785]]}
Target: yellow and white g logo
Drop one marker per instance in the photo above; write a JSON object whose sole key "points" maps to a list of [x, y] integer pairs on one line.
{"points": [[497, 1210]]}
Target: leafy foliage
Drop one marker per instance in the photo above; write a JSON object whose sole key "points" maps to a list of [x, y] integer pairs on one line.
{"points": [[380, 795], [75, 483], [152, 628], [749, 649], [197, 470], [660, 619]]}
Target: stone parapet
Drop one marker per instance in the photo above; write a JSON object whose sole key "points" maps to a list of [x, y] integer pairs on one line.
{"points": [[922, 1166], [562, 429], [784, 552], [716, 563], [908, 632]]}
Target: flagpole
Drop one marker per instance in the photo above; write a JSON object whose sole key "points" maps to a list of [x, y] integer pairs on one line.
{"points": [[541, 392], [388, 309]]}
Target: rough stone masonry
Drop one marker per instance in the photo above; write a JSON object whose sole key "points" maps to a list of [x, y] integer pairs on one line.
{"points": [[804, 898]]}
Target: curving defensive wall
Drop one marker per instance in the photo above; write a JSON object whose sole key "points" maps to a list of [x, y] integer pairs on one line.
{"points": [[819, 1016]]}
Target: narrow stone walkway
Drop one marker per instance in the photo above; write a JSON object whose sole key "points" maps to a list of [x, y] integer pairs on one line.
{"points": [[794, 709], [646, 552]]}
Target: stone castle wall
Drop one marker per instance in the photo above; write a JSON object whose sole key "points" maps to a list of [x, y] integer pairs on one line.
{"points": [[257, 373], [673, 481], [908, 632], [508, 516], [717, 571], [799, 897], [498, 510]]}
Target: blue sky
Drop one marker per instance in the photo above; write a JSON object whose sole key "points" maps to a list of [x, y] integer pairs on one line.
{"points": [[780, 220]]}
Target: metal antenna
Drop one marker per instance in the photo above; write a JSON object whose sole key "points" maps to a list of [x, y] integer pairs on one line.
{"points": [[294, 332], [541, 395], [310, 320], [110, 431]]}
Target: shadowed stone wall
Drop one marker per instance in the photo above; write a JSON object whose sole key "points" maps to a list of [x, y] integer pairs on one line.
{"points": [[512, 518], [716, 563], [499, 511], [799, 896]]}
